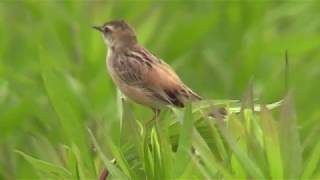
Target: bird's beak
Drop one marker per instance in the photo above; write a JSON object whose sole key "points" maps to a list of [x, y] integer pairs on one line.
{"points": [[98, 28]]}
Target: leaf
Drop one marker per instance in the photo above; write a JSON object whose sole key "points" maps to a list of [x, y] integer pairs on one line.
{"points": [[14, 116], [271, 144], [239, 132], [148, 158], [311, 163], [114, 171], [121, 160], [163, 147], [68, 107], [156, 153], [185, 142], [130, 128], [249, 165], [200, 166], [212, 165], [257, 107], [46, 166], [247, 101], [72, 162], [218, 140], [290, 143]]}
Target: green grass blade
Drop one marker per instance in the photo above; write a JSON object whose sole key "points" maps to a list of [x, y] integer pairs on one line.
{"points": [[185, 142], [81, 171], [130, 130], [203, 170], [148, 158], [250, 166], [56, 171], [290, 143], [166, 157], [211, 163], [271, 144], [156, 155], [218, 140], [312, 163], [71, 162], [114, 171], [121, 160], [239, 132], [67, 105], [257, 107]]}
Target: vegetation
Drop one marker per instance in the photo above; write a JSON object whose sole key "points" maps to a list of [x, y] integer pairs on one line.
{"points": [[61, 116]]}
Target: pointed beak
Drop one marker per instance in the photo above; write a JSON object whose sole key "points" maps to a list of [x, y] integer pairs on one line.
{"points": [[98, 28]]}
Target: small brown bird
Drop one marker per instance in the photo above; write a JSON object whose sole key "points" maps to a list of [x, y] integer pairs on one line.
{"points": [[140, 75]]}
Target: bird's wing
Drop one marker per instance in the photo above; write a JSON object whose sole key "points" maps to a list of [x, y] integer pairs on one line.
{"points": [[143, 70], [132, 69], [167, 80]]}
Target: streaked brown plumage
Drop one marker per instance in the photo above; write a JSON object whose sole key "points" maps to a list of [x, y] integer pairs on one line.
{"points": [[139, 74]]}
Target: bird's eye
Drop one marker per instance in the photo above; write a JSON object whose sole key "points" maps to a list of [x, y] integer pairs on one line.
{"points": [[108, 29]]}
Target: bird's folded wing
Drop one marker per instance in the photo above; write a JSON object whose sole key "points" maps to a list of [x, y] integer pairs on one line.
{"points": [[145, 71]]}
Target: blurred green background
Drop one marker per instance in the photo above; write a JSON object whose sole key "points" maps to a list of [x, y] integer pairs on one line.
{"points": [[216, 48]]}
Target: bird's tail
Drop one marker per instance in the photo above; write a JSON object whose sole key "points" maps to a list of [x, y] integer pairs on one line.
{"points": [[218, 112], [194, 97]]}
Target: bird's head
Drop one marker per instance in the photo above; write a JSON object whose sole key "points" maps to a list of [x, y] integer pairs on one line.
{"points": [[117, 33]]}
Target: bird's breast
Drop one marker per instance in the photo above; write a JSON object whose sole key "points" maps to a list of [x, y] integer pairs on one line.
{"points": [[135, 93], [111, 64]]}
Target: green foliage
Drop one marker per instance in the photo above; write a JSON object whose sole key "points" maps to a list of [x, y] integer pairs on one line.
{"points": [[56, 171], [54, 87]]}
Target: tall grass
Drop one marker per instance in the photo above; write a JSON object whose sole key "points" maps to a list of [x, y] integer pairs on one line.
{"points": [[54, 87], [186, 145]]}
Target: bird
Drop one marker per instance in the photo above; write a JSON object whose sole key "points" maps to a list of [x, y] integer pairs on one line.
{"points": [[142, 76], [139, 74]]}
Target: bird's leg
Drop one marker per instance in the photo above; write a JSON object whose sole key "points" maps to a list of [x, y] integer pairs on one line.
{"points": [[154, 117], [104, 174]]}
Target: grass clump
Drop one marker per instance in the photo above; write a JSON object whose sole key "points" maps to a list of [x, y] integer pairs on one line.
{"points": [[248, 143]]}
